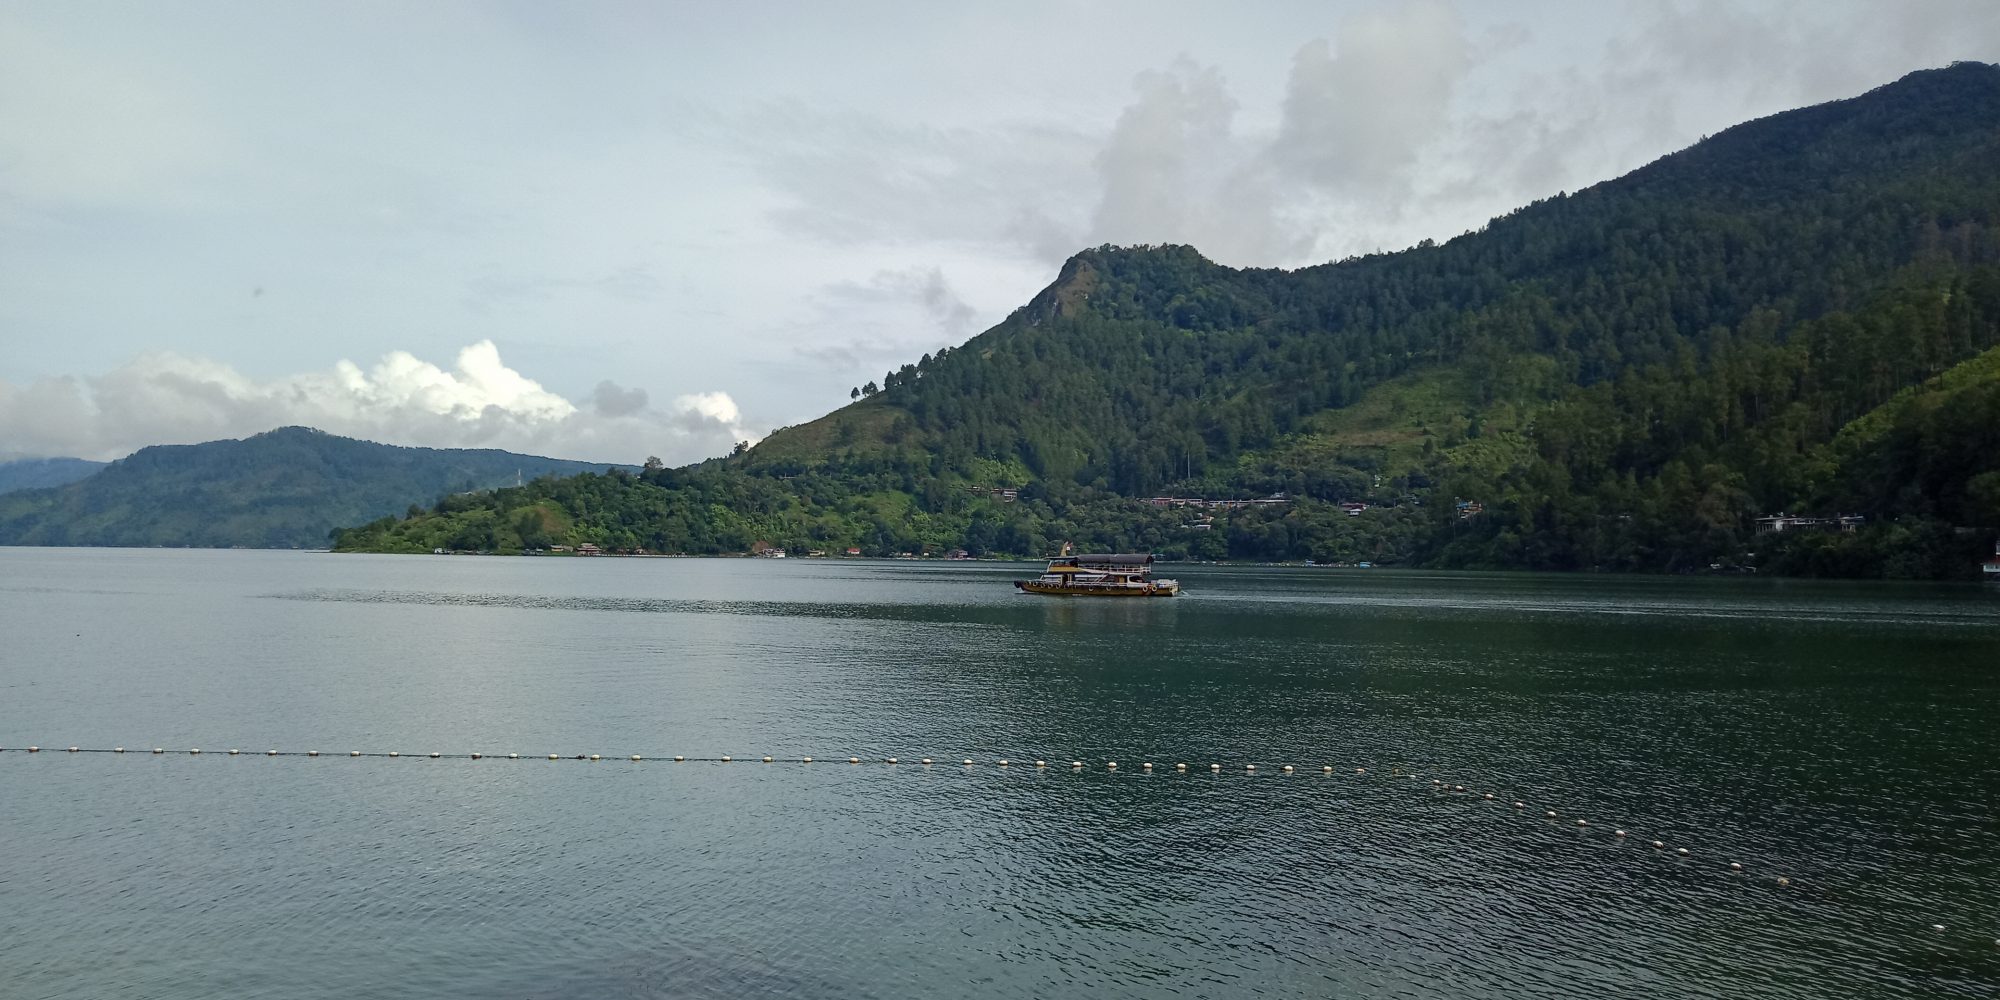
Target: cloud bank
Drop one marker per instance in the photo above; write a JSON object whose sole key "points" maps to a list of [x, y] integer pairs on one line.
{"points": [[166, 398], [1404, 121]]}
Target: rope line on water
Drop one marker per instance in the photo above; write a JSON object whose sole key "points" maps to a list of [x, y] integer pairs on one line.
{"points": [[1438, 785]]}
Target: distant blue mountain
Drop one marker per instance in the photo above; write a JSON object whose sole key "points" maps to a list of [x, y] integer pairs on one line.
{"points": [[41, 473], [286, 488]]}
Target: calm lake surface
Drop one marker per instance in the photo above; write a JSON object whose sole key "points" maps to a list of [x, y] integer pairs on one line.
{"points": [[1846, 737]]}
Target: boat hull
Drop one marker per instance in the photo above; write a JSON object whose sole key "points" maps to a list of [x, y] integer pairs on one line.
{"points": [[1088, 590]]}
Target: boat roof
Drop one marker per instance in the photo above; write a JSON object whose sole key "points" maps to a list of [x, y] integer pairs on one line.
{"points": [[1118, 559]]}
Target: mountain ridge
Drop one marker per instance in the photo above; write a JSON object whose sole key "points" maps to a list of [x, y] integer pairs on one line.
{"points": [[283, 488], [1623, 377]]}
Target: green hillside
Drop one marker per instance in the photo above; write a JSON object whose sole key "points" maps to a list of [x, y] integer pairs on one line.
{"points": [[1619, 378], [286, 488]]}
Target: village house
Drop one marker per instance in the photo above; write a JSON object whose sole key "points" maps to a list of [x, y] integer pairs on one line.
{"points": [[1274, 500]]}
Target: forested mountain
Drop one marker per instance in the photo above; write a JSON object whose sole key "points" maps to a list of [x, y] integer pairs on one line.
{"points": [[1787, 316], [286, 488], [39, 473]]}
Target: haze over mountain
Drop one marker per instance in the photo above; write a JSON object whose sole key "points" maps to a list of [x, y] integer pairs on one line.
{"points": [[38, 473], [1788, 315], [286, 488]]}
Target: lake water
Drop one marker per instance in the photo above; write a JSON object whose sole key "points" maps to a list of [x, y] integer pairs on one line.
{"points": [[1843, 737]]}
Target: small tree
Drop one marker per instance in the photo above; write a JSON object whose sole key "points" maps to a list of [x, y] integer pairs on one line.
{"points": [[854, 393]]}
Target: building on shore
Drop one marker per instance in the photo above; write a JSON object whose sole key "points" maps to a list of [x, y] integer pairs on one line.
{"points": [[1781, 522]]}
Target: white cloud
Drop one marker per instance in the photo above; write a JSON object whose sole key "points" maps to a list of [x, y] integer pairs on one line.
{"points": [[1182, 162], [1358, 116], [166, 398]]}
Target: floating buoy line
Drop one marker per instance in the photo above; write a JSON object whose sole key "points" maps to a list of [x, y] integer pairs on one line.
{"points": [[1438, 785]]}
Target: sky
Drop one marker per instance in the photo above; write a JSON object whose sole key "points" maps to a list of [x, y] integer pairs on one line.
{"points": [[606, 231]]}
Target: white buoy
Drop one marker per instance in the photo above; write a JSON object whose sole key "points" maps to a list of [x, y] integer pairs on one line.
{"points": [[233, 751], [854, 760], [1360, 770], [270, 753], [592, 757], [159, 750], [72, 749], [1003, 763], [1215, 767], [1550, 814], [1682, 851], [1520, 805], [117, 749], [968, 762], [1583, 822], [195, 750], [1937, 927], [1659, 843], [1489, 796], [1041, 763], [1288, 768], [350, 753], [767, 760], [551, 756], [1458, 788], [635, 756], [927, 760], [1249, 767], [726, 758], [1111, 765], [805, 760], [1785, 881], [1327, 769], [393, 753], [1076, 763], [1618, 833], [34, 749], [1148, 766], [1180, 767], [515, 756], [676, 757], [476, 756], [435, 755], [1736, 866]]}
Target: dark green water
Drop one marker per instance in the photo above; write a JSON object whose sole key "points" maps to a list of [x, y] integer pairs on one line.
{"points": [[1841, 736]]}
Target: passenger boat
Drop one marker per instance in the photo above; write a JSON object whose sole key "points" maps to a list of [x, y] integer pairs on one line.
{"points": [[1119, 575]]}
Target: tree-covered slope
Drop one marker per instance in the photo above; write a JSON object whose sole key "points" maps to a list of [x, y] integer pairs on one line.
{"points": [[286, 488], [1619, 378], [1143, 367], [42, 473]]}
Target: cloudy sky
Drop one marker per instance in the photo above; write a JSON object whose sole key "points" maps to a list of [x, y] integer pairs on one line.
{"points": [[609, 230]]}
